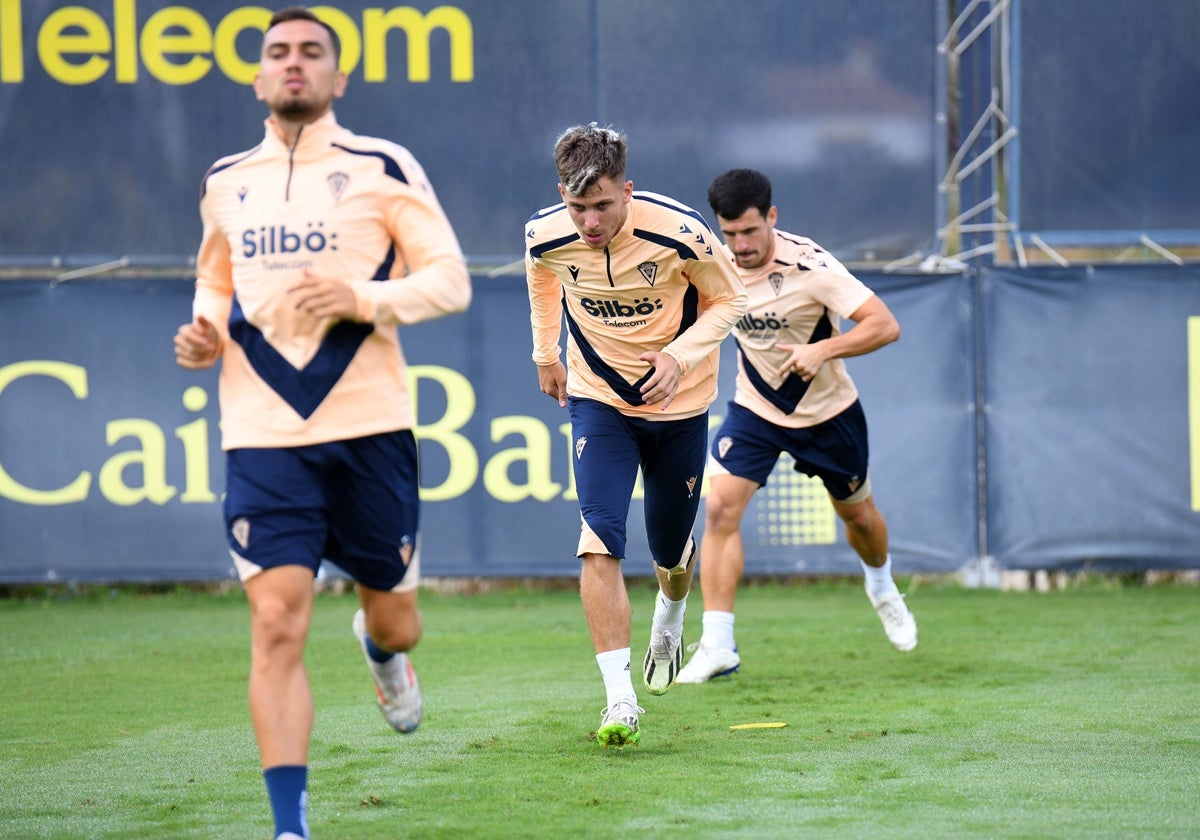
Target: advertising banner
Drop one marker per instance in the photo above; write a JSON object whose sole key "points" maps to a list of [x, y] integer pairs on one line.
{"points": [[111, 111], [110, 467]]}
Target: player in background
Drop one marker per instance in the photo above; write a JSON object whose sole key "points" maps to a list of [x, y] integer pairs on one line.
{"points": [[648, 298], [793, 395], [317, 243]]}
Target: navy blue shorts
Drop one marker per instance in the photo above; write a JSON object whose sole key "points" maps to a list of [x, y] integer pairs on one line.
{"points": [[355, 502], [609, 449], [834, 451]]}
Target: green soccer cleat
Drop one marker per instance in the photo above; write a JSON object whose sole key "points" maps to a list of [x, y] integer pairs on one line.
{"points": [[619, 723]]}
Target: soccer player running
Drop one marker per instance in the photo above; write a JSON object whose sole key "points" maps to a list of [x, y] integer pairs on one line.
{"points": [[316, 244], [793, 395], [648, 298]]}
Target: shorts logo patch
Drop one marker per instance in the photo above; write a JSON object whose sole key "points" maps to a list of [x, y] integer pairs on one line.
{"points": [[724, 445], [406, 549], [241, 532], [580, 442], [691, 486]]}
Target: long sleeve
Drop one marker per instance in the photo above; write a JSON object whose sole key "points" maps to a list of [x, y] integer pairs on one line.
{"points": [[546, 312], [437, 282], [214, 274], [725, 303]]}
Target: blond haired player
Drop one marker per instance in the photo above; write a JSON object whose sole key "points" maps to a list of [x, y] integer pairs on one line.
{"points": [[647, 298], [793, 395]]}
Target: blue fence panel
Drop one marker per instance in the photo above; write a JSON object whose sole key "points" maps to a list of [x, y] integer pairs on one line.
{"points": [[110, 466], [1090, 417]]}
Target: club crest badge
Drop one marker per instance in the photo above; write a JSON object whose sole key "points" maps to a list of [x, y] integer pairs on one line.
{"points": [[649, 270], [241, 532], [724, 445], [337, 184]]}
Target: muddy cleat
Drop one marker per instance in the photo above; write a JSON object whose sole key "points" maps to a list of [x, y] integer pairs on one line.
{"points": [[664, 657], [707, 663], [898, 621], [396, 684], [619, 723]]}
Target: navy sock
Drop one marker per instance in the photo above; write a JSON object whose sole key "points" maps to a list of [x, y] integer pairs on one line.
{"points": [[287, 788], [377, 653]]}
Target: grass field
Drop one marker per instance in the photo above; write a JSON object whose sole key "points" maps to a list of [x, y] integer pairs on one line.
{"points": [[1025, 715]]}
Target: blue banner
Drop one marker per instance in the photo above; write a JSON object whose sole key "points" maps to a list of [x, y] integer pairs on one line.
{"points": [[1093, 417], [1086, 454], [110, 466], [112, 110]]}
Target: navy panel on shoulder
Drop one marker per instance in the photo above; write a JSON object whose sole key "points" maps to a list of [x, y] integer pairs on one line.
{"points": [[390, 167], [667, 242], [681, 208], [546, 247], [215, 168]]}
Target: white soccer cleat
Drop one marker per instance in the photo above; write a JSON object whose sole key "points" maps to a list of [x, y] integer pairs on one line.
{"points": [[396, 684], [664, 656], [707, 663], [898, 621], [619, 723]]}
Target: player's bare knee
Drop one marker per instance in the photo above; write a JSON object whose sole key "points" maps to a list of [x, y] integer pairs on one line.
{"points": [[400, 633], [721, 516]]}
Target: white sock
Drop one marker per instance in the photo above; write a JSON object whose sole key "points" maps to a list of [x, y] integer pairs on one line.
{"points": [[614, 667], [669, 614], [717, 629], [878, 581]]}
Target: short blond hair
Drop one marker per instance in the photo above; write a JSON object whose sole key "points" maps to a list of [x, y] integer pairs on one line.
{"points": [[583, 154]]}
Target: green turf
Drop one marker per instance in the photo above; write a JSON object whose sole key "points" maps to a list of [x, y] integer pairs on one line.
{"points": [[1025, 715]]}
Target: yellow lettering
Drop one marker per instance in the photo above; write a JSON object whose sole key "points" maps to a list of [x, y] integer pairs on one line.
{"points": [[75, 378], [178, 46], [225, 42], [125, 41], [12, 45], [347, 34], [54, 43], [195, 449], [157, 44], [535, 454], [417, 28], [460, 405], [151, 457]]}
